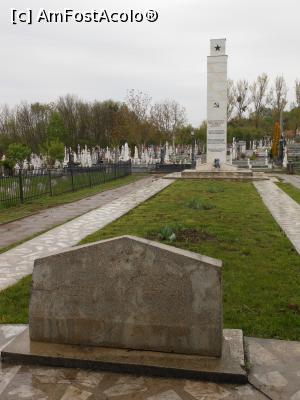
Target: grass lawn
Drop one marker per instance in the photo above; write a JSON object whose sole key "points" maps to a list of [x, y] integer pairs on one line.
{"points": [[226, 220], [291, 190], [14, 302], [41, 203]]}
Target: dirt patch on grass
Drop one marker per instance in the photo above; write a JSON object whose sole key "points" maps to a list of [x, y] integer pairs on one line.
{"points": [[180, 234], [193, 235]]}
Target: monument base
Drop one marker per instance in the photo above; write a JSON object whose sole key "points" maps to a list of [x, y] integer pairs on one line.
{"points": [[223, 168], [208, 171], [240, 175], [228, 368]]}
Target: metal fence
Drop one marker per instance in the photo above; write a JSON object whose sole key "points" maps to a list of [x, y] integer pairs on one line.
{"points": [[27, 185]]}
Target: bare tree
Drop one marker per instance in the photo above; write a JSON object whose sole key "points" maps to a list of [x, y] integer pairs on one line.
{"points": [[5, 116], [168, 117], [297, 87], [67, 107], [242, 99], [230, 99], [260, 96], [139, 103], [73, 121], [104, 122], [279, 93]]}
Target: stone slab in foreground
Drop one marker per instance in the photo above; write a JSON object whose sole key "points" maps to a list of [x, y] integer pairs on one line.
{"points": [[129, 293]]}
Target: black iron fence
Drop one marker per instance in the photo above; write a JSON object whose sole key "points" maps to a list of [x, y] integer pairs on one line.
{"points": [[27, 185]]}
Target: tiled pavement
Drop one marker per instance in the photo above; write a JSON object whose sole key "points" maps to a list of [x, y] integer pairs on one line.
{"points": [[45, 383], [284, 209], [275, 372], [275, 367], [24, 228], [18, 262], [292, 179]]}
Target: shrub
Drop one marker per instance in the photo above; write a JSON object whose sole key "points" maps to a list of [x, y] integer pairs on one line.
{"points": [[17, 153], [198, 204]]}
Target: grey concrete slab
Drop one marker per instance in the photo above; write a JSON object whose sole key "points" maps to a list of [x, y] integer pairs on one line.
{"points": [[48, 383], [154, 363], [215, 175], [275, 367], [235, 174], [117, 293]]}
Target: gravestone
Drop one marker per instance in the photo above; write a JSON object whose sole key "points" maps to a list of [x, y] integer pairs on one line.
{"points": [[293, 151], [129, 293], [91, 304]]}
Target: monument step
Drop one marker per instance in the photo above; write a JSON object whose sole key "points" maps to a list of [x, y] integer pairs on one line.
{"points": [[194, 174], [228, 368], [257, 176]]}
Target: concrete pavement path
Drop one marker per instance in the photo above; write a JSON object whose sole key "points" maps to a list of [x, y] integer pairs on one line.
{"points": [[18, 262], [284, 209], [21, 229], [292, 179]]}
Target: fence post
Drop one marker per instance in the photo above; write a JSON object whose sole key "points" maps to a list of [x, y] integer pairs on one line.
{"points": [[50, 183], [103, 172], [72, 179], [89, 174], [21, 186]]}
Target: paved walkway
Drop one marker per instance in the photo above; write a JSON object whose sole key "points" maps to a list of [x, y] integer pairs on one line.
{"points": [[292, 179], [18, 262], [24, 228], [274, 374], [284, 209]]}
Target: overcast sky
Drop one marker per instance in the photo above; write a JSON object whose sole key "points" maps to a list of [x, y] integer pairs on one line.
{"points": [[166, 59]]}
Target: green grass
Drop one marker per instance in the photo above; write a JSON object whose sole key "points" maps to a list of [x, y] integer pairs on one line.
{"points": [[14, 302], [291, 190], [261, 269], [35, 205]]}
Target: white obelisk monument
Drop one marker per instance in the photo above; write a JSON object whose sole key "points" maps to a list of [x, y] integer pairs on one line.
{"points": [[217, 102], [216, 149]]}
